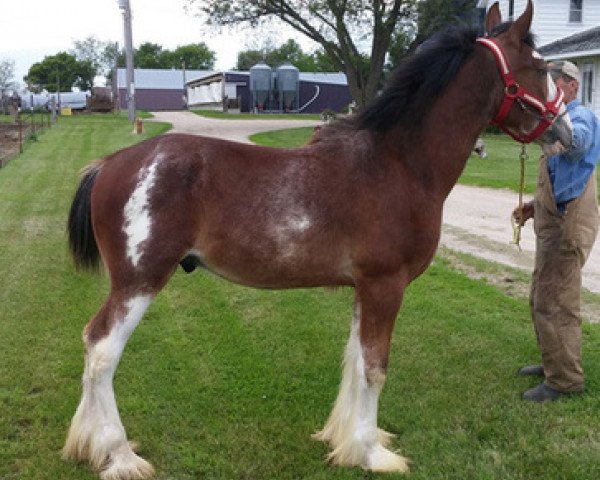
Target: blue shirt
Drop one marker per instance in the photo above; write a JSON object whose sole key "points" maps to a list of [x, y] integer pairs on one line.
{"points": [[570, 171]]}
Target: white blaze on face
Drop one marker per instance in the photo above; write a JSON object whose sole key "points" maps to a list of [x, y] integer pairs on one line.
{"points": [[552, 93], [138, 221]]}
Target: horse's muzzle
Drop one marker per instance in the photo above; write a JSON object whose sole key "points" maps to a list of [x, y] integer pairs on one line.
{"points": [[561, 130]]}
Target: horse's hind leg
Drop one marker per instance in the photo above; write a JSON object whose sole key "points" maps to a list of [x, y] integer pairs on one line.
{"points": [[96, 432], [351, 429]]}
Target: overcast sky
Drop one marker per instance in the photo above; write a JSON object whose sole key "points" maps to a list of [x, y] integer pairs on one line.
{"points": [[33, 29]]}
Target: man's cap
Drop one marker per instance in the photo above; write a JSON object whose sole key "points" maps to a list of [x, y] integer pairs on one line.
{"points": [[566, 68]]}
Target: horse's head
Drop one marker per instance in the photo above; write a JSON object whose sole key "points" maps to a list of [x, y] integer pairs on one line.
{"points": [[532, 108]]}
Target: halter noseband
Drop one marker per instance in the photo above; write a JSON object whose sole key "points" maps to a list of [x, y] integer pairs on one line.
{"points": [[548, 111]]}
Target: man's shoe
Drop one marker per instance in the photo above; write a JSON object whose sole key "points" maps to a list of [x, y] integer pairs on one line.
{"points": [[544, 393], [532, 371]]}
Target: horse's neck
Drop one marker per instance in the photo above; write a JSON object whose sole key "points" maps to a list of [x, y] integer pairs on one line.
{"points": [[440, 147]]}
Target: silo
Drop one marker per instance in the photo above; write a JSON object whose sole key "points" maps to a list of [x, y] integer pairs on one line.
{"points": [[261, 79], [288, 87]]}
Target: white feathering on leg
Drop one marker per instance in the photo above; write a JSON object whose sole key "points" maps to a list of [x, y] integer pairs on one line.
{"points": [[351, 429], [96, 433]]}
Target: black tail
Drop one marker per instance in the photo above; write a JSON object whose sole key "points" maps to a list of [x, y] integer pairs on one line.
{"points": [[82, 241]]}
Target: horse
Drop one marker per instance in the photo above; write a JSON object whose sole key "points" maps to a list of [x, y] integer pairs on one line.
{"points": [[359, 206]]}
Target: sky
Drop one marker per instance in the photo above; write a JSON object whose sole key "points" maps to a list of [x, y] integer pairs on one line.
{"points": [[41, 28]]}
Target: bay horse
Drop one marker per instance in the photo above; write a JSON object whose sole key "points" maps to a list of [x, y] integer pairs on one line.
{"points": [[360, 206]]}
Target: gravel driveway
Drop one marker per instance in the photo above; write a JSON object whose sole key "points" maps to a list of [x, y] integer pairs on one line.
{"points": [[476, 220]]}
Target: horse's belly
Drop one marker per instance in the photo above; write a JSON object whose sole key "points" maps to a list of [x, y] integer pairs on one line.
{"points": [[266, 262]]}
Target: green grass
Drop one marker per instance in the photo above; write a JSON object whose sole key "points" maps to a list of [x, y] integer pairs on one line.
{"points": [[225, 382], [6, 118], [289, 137]]}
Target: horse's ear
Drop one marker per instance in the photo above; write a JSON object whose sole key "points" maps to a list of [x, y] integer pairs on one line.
{"points": [[493, 18], [523, 23]]}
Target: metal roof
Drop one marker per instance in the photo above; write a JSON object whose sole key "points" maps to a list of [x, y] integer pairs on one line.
{"points": [[160, 79], [333, 78], [578, 45], [149, 78]]}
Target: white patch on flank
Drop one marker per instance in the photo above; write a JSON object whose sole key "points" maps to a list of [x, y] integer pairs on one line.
{"points": [[285, 233], [138, 221], [536, 54]]}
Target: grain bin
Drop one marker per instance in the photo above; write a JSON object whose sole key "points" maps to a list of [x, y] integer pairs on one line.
{"points": [[288, 87], [261, 86]]}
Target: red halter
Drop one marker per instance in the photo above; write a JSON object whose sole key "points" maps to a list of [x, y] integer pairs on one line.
{"points": [[548, 111]]}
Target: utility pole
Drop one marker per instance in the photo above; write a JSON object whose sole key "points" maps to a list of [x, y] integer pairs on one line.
{"points": [[124, 6], [185, 99]]}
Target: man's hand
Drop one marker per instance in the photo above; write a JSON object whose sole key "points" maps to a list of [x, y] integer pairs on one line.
{"points": [[523, 214]]}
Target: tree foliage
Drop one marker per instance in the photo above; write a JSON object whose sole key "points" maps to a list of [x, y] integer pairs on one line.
{"points": [[355, 34], [62, 71], [195, 56], [435, 15], [291, 52], [7, 75], [92, 49]]}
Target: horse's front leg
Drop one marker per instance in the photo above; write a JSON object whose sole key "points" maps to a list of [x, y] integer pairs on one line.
{"points": [[351, 429]]}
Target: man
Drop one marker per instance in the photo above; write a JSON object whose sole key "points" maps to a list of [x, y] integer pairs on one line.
{"points": [[565, 213]]}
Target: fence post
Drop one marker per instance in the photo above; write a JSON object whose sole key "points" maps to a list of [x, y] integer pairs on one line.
{"points": [[20, 133]]}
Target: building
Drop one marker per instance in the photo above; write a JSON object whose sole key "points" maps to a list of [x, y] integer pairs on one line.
{"points": [[317, 92], [583, 49], [175, 90], [565, 30], [157, 89]]}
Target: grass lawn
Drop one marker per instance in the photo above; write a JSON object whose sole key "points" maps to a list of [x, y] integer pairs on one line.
{"points": [[225, 382]]}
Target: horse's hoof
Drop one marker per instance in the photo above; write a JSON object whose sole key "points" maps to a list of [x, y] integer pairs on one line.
{"points": [[126, 466], [380, 459]]}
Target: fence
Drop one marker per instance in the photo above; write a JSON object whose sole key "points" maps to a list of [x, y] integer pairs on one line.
{"points": [[14, 135]]}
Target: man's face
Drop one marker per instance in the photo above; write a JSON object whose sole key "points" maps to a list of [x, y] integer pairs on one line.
{"points": [[569, 86]]}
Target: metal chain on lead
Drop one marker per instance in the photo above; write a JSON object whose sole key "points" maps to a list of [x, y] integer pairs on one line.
{"points": [[516, 226]]}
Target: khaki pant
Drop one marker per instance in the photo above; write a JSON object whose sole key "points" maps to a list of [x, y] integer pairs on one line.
{"points": [[563, 244]]}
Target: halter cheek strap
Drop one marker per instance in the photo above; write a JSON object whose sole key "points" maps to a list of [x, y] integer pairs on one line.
{"points": [[548, 111]]}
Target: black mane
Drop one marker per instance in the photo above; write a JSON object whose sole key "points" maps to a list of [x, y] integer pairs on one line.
{"points": [[417, 81]]}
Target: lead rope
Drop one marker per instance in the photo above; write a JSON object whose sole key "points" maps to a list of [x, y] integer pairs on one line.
{"points": [[516, 226]]}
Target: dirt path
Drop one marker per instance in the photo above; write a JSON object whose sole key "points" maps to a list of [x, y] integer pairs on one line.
{"points": [[238, 130], [476, 220]]}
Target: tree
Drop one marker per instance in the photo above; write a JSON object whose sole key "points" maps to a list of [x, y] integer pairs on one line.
{"points": [[291, 52], [148, 55], [7, 75], [195, 56], [436, 15], [92, 50], [61, 70], [339, 26]]}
